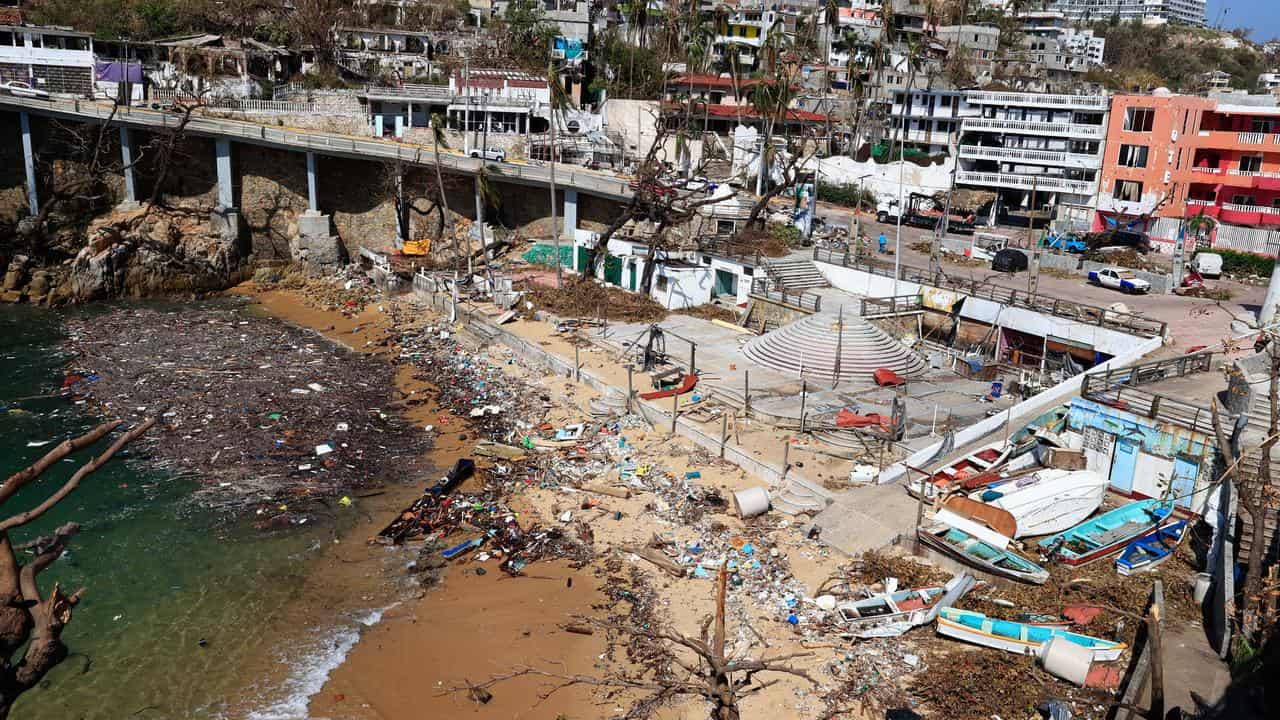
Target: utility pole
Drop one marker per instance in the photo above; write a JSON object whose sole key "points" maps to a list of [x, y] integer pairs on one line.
{"points": [[466, 111], [551, 154], [1033, 272]]}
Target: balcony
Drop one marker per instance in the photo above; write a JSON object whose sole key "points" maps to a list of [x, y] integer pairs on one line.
{"points": [[1057, 158], [1041, 183], [1230, 140], [1085, 102], [1250, 214], [1031, 127], [933, 137]]}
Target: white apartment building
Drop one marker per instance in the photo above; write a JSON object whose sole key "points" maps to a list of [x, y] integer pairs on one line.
{"points": [[1187, 12], [741, 34], [1025, 144], [1268, 82], [931, 119], [55, 60]]}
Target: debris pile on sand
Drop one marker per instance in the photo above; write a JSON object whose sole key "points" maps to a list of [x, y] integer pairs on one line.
{"points": [[261, 413]]}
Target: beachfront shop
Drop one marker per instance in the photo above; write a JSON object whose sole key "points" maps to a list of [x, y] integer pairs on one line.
{"points": [[1142, 457]]}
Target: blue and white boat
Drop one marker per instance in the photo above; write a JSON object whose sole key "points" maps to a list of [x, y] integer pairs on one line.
{"points": [[1152, 549], [1106, 534], [1017, 637], [983, 554]]}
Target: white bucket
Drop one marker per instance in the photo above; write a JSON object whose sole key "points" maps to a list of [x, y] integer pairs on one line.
{"points": [[751, 502], [1200, 589], [1067, 660]]}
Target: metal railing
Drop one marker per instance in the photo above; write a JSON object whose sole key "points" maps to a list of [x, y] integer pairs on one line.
{"points": [[766, 289], [1069, 309], [889, 306], [1039, 99], [1050, 156], [1032, 126], [1040, 182], [1252, 208], [249, 105], [568, 176], [1120, 389]]}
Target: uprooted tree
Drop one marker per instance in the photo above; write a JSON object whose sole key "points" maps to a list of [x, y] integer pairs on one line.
{"points": [[31, 622], [682, 667]]}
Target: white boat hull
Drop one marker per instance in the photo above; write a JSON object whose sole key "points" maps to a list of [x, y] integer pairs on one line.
{"points": [[1057, 501], [1013, 645]]}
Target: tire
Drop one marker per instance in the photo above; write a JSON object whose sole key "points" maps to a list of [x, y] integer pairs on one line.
{"points": [[882, 217]]}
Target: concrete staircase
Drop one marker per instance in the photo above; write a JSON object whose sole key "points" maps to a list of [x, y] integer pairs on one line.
{"points": [[821, 345], [795, 273]]}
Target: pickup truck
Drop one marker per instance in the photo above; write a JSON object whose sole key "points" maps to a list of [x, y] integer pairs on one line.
{"points": [[1065, 242], [1119, 279]]}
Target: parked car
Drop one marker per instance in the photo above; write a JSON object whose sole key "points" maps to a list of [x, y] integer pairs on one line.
{"points": [[1009, 260], [495, 154], [21, 89], [1066, 242], [1208, 264], [1119, 239], [1121, 279]]}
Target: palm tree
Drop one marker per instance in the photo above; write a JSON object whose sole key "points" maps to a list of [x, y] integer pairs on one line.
{"points": [[446, 225]]}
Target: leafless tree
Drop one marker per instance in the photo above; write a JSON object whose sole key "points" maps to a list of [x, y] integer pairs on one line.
{"points": [[315, 22], [699, 667], [31, 622], [1258, 496]]}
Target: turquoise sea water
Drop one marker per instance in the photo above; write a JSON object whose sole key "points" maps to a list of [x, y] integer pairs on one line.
{"points": [[161, 577]]}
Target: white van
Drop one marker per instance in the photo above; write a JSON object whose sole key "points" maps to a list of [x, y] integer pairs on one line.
{"points": [[1208, 264]]}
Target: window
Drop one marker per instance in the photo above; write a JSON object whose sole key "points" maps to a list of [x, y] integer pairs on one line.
{"points": [[1242, 200], [6, 38], [1138, 119], [1127, 191], [1261, 125], [1250, 163], [1134, 156], [1185, 115], [1179, 164]]}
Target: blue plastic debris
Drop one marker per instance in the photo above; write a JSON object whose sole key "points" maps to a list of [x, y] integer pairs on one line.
{"points": [[693, 475], [793, 619]]}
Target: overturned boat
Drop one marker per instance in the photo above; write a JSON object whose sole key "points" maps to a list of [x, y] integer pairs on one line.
{"points": [[975, 542], [1047, 501], [891, 614]]}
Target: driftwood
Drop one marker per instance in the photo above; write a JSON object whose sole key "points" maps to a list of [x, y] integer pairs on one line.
{"points": [[31, 622], [657, 558], [622, 493]]}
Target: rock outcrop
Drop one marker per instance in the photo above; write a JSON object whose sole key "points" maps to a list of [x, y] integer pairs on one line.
{"points": [[152, 254]]}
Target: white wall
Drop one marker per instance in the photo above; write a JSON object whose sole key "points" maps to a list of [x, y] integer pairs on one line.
{"points": [[1106, 340]]}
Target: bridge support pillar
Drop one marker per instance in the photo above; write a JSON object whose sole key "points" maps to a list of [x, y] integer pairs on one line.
{"points": [[225, 218], [313, 201], [570, 213], [127, 159], [29, 161]]}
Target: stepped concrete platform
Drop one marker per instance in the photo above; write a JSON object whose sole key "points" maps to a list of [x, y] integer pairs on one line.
{"points": [[829, 347], [795, 272]]}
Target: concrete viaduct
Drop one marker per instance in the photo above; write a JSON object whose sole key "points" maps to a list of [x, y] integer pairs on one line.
{"points": [[572, 179]]}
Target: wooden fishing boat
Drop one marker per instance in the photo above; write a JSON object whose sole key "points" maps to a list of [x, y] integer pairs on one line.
{"points": [[1150, 550], [982, 554], [983, 466], [1047, 501], [1106, 534], [1017, 637], [892, 614]]}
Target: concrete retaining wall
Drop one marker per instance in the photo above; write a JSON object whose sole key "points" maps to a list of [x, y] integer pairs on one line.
{"points": [[1064, 263], [1106, 340]]}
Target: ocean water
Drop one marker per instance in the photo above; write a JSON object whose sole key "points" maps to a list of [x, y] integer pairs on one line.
{"points": [[182, 617]]}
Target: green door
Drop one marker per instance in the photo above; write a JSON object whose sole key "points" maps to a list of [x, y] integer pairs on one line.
{"points": [[726, 283], [613, 270], [631, 283], [583, 255]]}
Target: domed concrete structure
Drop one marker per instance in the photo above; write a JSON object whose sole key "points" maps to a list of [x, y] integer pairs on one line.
{"points": [[821, 347]]}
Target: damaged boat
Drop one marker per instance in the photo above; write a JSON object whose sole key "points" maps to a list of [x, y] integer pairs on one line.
{"points": [[1047, 501], [1151, 550], [1106, 534], [890, 614], [1016, 637]]}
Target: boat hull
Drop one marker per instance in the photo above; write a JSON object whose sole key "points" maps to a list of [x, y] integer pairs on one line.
{"points": [[1106, 534], [1150, 551], [983, 556], [1019, 638], [1059, 501]]}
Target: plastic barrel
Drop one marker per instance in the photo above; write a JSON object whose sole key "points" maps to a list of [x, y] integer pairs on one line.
{"points": [[1067, 660], [751, 502]]}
